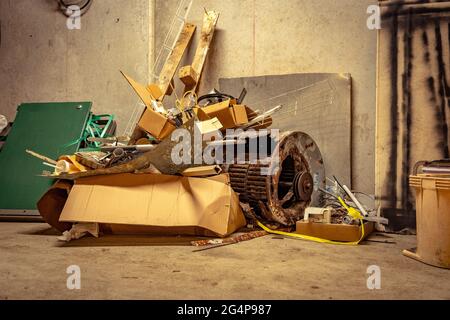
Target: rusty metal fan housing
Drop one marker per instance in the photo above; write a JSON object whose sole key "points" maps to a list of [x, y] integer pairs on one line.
{"points": [[280, 188]]}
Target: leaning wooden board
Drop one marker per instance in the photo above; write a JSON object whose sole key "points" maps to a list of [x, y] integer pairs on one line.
{"points": [[51, 129]]}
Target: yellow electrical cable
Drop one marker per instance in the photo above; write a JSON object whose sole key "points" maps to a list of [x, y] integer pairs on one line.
{"points": [[353, 213]]}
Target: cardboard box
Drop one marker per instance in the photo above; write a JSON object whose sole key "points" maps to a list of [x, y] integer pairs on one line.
{"points": [[156, 124], [335, 232], [155, 203], [229, 116], [239, 114]]}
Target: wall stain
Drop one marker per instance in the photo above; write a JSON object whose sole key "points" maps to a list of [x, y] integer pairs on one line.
{"points": [[400, 162], [407, 113], [443, 90], [393, 157]]}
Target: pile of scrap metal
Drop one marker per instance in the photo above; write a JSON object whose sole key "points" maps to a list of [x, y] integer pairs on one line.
{"points": [[276, 176]]}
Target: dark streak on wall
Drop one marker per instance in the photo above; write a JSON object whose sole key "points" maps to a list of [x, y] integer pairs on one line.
{"points": [[407, 113], [443, 90], [392, 186], [425, 43], [414, 10], [396, 16]]}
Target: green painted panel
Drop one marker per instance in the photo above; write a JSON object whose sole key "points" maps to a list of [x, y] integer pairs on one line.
{"points": [[48, 129]]}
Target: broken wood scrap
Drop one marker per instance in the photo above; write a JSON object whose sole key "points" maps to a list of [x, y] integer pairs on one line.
{"points": [[213, 247], [235, 239]]}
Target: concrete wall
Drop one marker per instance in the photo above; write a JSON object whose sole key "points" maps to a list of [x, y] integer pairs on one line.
{"points": [[268, 37], [41, 60]]}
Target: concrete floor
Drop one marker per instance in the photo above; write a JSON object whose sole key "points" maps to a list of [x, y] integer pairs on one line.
{"points": [[33, 266]]}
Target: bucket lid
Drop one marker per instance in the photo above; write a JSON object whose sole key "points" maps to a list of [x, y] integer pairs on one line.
{"points": [[435, 181]]}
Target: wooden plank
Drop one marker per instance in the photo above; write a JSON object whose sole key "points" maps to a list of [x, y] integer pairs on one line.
{"points": [[174, 59], [209, 23]]}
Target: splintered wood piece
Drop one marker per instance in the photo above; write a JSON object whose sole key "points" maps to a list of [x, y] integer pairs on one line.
{"points": [[233, 239], [174, 59]]}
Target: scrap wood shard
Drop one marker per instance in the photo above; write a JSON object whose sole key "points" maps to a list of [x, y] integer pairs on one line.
{"points": [[158, 160]]}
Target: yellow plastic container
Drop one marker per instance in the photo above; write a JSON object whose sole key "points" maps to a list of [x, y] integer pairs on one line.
{"points": [[433, 219]]}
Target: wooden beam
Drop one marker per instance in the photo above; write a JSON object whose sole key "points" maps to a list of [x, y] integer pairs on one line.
{"points": [[174, 59], [209, 24], [191, 75], [188, 76]]}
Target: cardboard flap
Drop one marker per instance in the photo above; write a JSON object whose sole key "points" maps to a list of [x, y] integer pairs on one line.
{"points": [[240, 114], [140, 89]]}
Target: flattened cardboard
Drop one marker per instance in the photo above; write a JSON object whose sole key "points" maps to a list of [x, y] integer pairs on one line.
{"points": [[155, 202], [335, 232]]}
